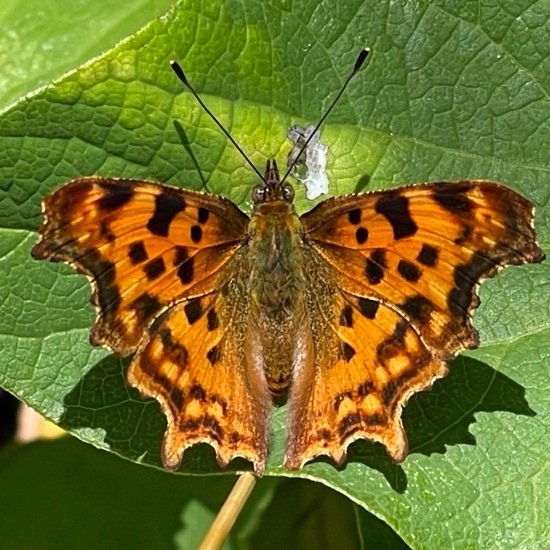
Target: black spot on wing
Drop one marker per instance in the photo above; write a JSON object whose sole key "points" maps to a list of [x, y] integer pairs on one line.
{"points": [[212, 319], [428, 255], [361, 235], [185, 265], [193, 310], [137, 253], [379, 257], [348, 352], [115, 196], [408, 271], [373, 272], [186, 271], [346, 317], [145, 306], [417, 308], [196, 233], [154, 269], [203, 215], [354, 216], [214, 355], [393, 345], [399, 331], [454, 199], [181, 255], [368, 307], [167, 206], [395, 208], [374, 268], [177, 353]]}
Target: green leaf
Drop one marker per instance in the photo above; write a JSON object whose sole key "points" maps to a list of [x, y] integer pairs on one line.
{"points": [[452, 91], [42, 40]]}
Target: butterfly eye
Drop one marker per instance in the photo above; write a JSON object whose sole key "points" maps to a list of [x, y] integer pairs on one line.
{"points": [[288, 193], [259, 194]]}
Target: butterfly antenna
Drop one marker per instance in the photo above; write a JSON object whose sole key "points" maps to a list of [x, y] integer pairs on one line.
{"points": [[358, 64], [181, 75]]}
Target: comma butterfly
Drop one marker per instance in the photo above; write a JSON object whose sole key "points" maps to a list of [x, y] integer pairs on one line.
{"points": [[346, 311]]}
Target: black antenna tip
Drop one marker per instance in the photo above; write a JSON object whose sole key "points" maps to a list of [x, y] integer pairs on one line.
{"points": [[361, 59], [179, 72]]}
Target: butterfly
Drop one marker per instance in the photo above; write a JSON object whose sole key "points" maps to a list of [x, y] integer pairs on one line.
{"points": [[344, 312]]}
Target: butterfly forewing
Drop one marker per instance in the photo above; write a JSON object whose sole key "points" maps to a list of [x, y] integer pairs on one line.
{"points": [[423, 249], [144, 245]]}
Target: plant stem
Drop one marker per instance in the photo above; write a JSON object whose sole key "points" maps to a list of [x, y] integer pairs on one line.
{"points": [[228, 513]]}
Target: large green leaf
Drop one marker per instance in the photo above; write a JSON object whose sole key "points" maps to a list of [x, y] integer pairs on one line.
{"points": [[453, 90]]}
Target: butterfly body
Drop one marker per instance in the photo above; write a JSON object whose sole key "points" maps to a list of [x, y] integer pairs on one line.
{"points": [[277, 289], [347, 311]]}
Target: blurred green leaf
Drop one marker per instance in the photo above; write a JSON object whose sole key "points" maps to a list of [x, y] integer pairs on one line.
{"points": [[64, 494], [83, 498], [453, 90], [42, 40]]}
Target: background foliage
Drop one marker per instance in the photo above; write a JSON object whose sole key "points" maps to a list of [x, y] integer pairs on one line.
{"points": [[454, 89]]}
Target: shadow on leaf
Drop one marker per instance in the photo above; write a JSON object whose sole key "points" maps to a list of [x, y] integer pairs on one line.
{"points": [[127, 424], [134, 427], [441, 417], [362, 184], [182, 134]]}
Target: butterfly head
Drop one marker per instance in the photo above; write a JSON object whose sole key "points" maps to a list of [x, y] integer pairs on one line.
{"points": [[272, 188]]}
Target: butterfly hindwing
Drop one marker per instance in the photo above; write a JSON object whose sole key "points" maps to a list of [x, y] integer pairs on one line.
{"points": [[197, 364], [144, 245], [364, 362]]}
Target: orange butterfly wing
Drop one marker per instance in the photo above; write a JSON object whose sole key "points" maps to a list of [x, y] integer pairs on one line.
{"points": [[197, 362], [145, 246], [166, 283], [423, 250], [403, 266], [362, 370]]}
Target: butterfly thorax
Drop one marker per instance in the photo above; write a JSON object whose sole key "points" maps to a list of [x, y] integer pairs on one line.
{"points": [[277, 282], [276, 258]]}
